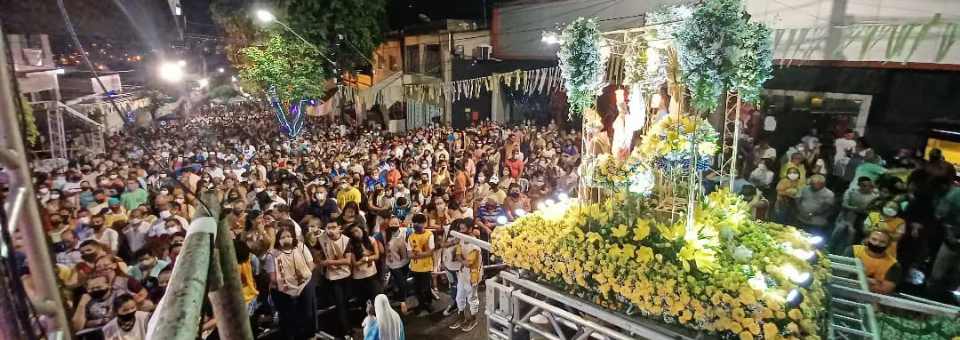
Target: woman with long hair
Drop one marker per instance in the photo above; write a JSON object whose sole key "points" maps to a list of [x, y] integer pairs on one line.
{"points": [[363, 254], [290, 266]]}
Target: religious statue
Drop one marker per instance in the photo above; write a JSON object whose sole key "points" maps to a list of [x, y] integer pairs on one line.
{"points": [[629, 120]]}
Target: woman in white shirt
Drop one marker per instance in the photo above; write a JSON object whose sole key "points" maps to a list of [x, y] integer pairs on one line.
{"points": [[290, 266], [762, 176], [129, 324]]}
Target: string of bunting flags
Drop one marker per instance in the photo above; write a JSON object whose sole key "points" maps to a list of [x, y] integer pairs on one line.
{"points": [[537, 81]]}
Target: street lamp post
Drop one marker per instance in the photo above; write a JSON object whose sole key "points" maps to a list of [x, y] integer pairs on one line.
{"points": [[266, 16]]}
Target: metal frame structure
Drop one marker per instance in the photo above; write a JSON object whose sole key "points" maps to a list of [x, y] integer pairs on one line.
{"points": [[23, 215]]}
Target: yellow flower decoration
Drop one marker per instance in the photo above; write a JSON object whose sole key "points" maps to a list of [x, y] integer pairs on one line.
{"points": [[738, 314], [770, 330], [593, 237], [642, 230], [746, 336], [644, 254], [620, 231], [734, 326], [793, 328], [795, 314]]}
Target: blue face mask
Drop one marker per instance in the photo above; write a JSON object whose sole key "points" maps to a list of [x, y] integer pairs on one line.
{"points": [[417, 227]]}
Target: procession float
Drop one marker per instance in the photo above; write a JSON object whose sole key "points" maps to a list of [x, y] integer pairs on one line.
{"points": [[643, 251]]}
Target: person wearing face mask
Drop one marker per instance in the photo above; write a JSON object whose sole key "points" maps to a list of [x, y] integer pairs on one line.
{"points": [[68, 253], [888, 221], [85, 196], [364, 252], [815, 204], [397, 260], [515, 201], [129, 323], [347, 193], [136, 230], [333, 258], [122, 283], [95, 308], [758, 204], [420, 246], [133, 196], [882, 270], [109, 238], [787, 189], [147, 265], [116, 213], [290, 266]]}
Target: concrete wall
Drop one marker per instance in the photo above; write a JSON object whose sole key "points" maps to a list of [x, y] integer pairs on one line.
{"points": [[804, 29], [382, 69]]}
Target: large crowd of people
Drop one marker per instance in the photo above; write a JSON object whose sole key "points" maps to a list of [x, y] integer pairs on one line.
{"points": [[355, 223], [331, 221], [900, 216]]}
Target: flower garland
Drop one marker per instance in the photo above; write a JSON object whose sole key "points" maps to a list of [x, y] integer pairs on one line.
{"points": [[708, 46], [669, 145], [729, 275], [755, 64], [582, 61], [635, 65]]}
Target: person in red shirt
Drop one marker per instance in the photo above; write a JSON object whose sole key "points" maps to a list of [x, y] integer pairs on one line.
{"points": [[515, 163], [393, 176]]}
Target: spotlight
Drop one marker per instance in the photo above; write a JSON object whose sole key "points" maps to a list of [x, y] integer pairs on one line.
{"points": [[563, 196], [803, 280], [815, 240], [265, 16], [502, 220], [520, 212], [549, 202], [171, 72], [806, 255], [550, 38], [794, 297], [182, 63], [221, 70], [203, 82]]}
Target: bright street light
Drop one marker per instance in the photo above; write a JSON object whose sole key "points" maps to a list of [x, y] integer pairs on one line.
{"points": [[203, 82], [221, 70], [171, 72], [233, 79], [182, 63], [265, 16]]}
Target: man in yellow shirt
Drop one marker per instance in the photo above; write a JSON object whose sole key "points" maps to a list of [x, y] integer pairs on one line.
{"points": [[347, 193], [883, 271], [420, 246]]}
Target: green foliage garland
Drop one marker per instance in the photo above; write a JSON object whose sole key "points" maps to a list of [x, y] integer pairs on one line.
{"points": [[293, 67], [756, 61], [30, 121], [635, 64], [581, 63], [708, 47]]}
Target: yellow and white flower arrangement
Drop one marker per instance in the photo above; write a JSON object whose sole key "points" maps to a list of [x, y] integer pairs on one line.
{"points": [[726, 274]]}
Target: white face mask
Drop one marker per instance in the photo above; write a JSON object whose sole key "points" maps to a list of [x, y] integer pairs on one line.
{"points": [[321, 196], [83, 220], [889, 212], [164, 192], [258, 190], [54, 196], [793, 176]]}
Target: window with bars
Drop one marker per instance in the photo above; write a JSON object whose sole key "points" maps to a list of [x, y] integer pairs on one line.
{"points": [[432, 60], [411, 63]]}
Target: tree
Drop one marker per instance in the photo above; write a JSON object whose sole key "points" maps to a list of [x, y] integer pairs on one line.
{"points": [[292, 67], [234, 17], [360, 23], [224, 92]]}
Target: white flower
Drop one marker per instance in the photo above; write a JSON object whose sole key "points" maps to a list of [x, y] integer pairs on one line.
{"points": [[742, 254]]}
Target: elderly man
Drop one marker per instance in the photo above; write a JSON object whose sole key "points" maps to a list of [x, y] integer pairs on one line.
{"points": [[815, 202]]}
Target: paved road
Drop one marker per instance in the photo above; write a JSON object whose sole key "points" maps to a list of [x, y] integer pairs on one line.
{"points": [[436, 325]]}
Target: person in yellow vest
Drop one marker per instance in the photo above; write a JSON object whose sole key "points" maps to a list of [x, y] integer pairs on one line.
{"points": [[420, 246], [887, 221], [469, 276], [882, 270]]}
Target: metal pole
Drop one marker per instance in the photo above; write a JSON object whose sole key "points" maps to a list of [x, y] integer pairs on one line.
{"points": [[229, 307], [178, 314], [736, 142], [28, 223]]}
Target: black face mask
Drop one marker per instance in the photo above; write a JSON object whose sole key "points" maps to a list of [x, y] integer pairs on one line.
{"points": [[89, 257], [876, 249], [125, 318], [98, 294], [96, 226], [514, 194]]}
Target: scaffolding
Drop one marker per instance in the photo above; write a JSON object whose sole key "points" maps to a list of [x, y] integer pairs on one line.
{"points": [[23, 218]]}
